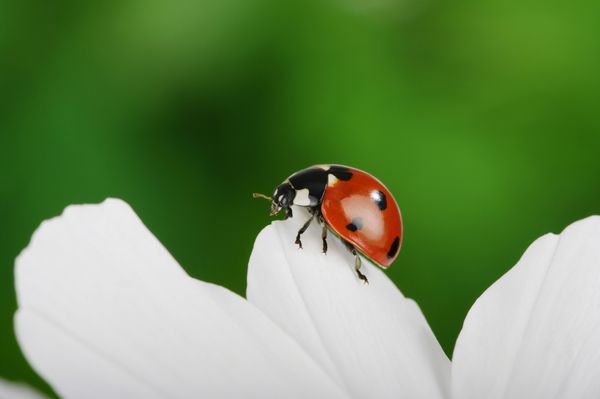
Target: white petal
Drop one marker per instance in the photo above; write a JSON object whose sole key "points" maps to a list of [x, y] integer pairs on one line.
{"points": [[13, 390], [371, 339], [535, 333], [106, 312]]}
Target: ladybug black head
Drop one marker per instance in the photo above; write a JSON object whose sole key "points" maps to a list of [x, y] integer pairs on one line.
{"points": [[283, 198]]}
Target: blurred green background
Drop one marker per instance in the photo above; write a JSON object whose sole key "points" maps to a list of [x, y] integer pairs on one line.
{"points": [[481, 117]]}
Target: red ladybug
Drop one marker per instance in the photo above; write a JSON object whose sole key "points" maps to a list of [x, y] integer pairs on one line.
{"points": [[354, 204]]}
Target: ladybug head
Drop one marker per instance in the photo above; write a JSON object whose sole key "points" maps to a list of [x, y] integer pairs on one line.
{"points": [[283, 198]]}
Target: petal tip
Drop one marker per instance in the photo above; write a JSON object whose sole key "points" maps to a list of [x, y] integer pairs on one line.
{"points": [[117, 208], [590, 222], [76, 209]]}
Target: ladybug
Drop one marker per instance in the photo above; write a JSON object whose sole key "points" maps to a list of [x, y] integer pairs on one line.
{"points": [[352, 203]]}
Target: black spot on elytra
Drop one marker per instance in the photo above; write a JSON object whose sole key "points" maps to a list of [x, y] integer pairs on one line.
{"points": [[355, 224], [340, 172], [394, 248], [380, 199]]}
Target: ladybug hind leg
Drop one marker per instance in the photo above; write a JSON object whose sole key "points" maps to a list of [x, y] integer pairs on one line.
{"points": [[357, 262]]}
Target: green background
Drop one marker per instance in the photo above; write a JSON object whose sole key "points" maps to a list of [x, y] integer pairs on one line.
{"points": [[482, 117]]}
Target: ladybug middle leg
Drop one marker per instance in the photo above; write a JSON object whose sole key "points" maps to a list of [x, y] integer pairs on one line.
{"points": [[323, 232], [357, 262]]}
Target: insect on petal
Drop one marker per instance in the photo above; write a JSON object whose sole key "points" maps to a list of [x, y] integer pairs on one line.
{"points": [[370, 338]]}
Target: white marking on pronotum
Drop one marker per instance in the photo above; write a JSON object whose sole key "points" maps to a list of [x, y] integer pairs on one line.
{"points": [[324, 167], [331, 180], [302, 198]]}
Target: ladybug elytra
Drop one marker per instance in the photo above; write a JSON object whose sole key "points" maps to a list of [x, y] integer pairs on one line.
{"points": [[353, 203]]}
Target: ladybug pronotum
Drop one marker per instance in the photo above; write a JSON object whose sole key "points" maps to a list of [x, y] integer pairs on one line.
{"points": [[354, 204]]}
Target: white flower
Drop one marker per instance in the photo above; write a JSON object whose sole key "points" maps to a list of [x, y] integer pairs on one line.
{"points": [[106, 312], [10, 390]]}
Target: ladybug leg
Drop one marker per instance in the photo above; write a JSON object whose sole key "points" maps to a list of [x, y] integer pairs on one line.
{"points": [[323, 233], [324, 237], [288, 213], [357, 262], [302, 230]]}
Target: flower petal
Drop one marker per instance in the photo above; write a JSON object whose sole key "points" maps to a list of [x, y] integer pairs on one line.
{"points": [[535, 333], [105, 311], [13, 390], [371, 339]]}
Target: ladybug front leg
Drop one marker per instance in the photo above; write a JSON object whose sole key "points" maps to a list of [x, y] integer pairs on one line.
{"points": [[302, 230], [288, 213]]}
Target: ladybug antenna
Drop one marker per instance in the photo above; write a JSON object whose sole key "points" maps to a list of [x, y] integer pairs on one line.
{"points": [[258, 195]]}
